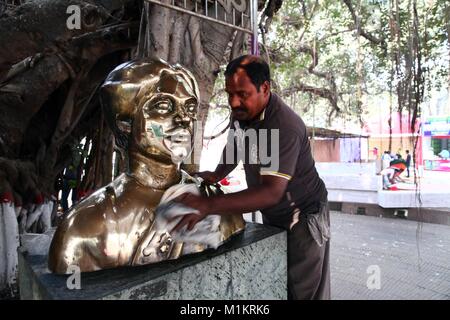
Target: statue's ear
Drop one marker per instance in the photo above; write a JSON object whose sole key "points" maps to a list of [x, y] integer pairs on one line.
{"points": [[119, 125], [118, 111], [122, 134]]}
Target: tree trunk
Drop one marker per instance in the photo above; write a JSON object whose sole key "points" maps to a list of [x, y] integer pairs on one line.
{"points": [[9, 241]]}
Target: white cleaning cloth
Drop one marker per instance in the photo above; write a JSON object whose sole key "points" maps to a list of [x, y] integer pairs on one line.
{"points": [[205, 232]]}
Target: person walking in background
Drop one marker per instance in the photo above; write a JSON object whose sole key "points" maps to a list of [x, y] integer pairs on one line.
{"points": [[408, 163], [375, 153]]}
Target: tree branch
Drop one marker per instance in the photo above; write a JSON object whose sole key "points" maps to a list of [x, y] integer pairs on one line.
{"points": [[35, 26], [266, 19], [321, 92], [177, 38], [238, 42], [160, 27], [373, 39], [330, 94]]}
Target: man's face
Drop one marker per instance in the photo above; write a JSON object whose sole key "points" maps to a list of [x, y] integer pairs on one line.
{"points": [[244, 99], [165, 125]]}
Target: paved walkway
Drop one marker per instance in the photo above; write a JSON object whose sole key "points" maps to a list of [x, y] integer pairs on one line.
{"points": [[411, 264]]}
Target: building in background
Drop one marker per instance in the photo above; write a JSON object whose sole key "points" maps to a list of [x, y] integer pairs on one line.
{"points": [[400, 139], [335, 146], [436, 133]]}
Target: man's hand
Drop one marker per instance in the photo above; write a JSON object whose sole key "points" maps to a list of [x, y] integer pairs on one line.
{"points": [[195, 202]]}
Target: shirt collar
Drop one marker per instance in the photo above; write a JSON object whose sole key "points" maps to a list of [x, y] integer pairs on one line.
{"points": [[262, 114]]}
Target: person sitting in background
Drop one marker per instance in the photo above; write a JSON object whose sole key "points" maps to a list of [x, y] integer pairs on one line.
{"points": [[392, 174], [444, 154]]}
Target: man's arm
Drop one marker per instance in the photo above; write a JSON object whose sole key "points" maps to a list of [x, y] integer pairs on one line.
{"points": [[265, 195], [222, 170], [274, 181]]}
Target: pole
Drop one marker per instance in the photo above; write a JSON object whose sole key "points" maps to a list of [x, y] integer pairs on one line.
{"points": [[254, 15]]}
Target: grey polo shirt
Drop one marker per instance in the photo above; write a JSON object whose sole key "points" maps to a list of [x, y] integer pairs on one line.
{"points": [[277, 144]]}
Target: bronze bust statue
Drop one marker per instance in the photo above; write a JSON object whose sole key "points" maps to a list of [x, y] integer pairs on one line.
{"points": [[151, 107]]}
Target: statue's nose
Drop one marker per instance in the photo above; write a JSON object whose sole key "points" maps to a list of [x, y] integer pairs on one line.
{"points": [[182, 119]]}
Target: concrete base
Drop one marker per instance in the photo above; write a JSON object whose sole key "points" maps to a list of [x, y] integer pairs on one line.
{"points": [[410, 199], [351, 182], [252, 265], [427, 215], [370, 197], [358, 183], [349, 168]]}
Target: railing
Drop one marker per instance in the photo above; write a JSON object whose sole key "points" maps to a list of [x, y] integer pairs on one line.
{"points": [[240, 15], [10, 4]]}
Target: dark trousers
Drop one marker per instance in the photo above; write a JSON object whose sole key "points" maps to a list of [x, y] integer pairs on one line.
{"points": [[65, 195], [308, 263]]}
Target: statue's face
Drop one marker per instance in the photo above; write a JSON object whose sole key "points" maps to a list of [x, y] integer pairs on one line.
{"points": [[164, 125]]}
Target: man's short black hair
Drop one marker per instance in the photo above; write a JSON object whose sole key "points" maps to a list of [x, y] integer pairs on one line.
{"points": [[256, 68]]}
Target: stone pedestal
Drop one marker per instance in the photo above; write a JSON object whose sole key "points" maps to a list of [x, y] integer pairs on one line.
{"points": [[252, 265]]}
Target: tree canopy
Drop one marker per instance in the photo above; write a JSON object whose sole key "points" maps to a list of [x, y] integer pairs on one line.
{"points": [[338, 59]]}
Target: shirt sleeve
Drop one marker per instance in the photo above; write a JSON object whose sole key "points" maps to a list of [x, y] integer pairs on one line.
{"points": [[284, 153]]}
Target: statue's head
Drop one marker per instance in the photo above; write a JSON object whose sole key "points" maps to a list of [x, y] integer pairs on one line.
{"points": [[151, 107]]}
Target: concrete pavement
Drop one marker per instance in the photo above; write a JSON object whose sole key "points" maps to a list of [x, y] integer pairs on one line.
{"points": [[412, 259]]}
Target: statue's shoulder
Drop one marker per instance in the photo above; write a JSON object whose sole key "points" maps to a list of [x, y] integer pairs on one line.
{"points": [[98, 202], [127, 189], [122, 196]]}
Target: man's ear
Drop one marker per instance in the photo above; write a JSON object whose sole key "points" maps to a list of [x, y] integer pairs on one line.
{"points": [[266, 88]]}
